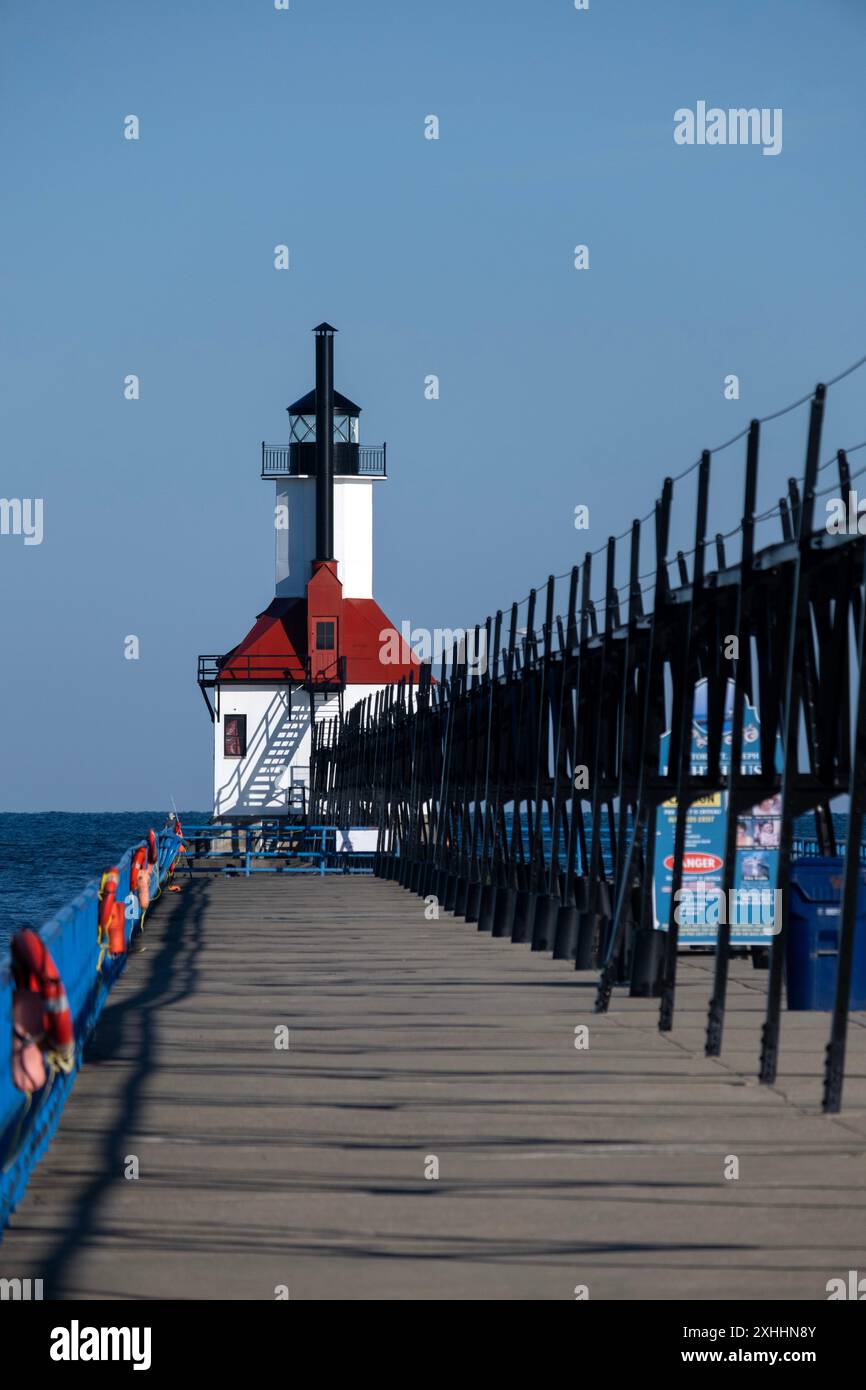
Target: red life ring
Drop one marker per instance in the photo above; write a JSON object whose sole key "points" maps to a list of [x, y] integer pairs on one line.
{"points": [[140, 869], [151, 847], [34, 970]]}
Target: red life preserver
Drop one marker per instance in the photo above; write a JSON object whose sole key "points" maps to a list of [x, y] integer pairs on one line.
{"points": [[139, 869], [35, 973], [151, 847]]}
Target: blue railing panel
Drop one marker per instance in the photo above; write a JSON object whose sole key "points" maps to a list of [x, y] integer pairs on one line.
{"points": [[71, 935], [255, 842]]}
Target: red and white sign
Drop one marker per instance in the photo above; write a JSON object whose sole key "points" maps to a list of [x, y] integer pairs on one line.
{"points": [[696, 863]]}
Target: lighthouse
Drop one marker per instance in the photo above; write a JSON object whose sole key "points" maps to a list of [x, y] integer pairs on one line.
{"points": [[323, 643]]}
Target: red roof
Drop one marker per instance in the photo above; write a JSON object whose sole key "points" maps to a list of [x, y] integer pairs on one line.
{"points": [[276, 648]]}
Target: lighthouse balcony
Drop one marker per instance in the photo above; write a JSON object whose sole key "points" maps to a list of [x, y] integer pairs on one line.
{"points": [[322, 673], [298, 460], [253, 667]]}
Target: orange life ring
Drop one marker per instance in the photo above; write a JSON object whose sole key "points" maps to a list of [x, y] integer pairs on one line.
{"points": [[117, 931], [107, 898], [139, 877], [112, 916]]}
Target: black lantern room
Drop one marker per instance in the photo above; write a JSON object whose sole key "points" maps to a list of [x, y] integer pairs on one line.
{"points": [[302, 435]]}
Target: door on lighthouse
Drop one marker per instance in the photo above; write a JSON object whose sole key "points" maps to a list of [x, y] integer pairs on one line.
{"points": [[324, 665]]}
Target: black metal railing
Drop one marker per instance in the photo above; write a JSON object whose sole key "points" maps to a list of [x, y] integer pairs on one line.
{"points": [[320, 673], [497, 786], [299, 460], [251, 668]]}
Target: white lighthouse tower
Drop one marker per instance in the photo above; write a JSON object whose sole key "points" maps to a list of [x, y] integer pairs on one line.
{"points": [[323, 643]]}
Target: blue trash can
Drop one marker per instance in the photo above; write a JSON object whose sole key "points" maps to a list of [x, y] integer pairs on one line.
{"points": [[814, 926]]}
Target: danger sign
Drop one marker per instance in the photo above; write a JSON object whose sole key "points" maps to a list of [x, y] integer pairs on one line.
{"points": [[696, 863]]}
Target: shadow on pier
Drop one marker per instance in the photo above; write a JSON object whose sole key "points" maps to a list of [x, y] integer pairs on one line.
{"points": [[414, 1043]]}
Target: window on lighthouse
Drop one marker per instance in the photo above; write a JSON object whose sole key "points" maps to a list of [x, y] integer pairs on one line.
{"points": [[235, 736], [324, 637]]}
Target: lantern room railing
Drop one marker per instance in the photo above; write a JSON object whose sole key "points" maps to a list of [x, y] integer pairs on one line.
{"points": [[299, 460]]}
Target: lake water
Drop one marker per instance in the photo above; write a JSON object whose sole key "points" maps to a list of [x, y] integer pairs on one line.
{"points": [[47, 858]]}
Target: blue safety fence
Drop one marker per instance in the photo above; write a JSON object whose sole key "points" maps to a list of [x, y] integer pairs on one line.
{"points": [[802, 848], [265, 847], [28, 1122]]}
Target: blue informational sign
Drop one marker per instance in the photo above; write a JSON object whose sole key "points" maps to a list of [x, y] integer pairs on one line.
{"points": [[752, 909]]}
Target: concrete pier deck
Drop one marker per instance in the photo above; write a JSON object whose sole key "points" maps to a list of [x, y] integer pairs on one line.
{"points": [[261, 1169]]}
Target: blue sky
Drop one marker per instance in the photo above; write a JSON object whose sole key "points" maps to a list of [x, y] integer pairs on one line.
{"points": [[452, 257]]}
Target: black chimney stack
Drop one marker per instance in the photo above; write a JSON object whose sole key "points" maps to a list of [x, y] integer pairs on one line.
{"points": [[324, 441]]}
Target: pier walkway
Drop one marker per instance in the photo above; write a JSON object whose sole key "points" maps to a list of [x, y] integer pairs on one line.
{"points": [[408, 1038]]}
